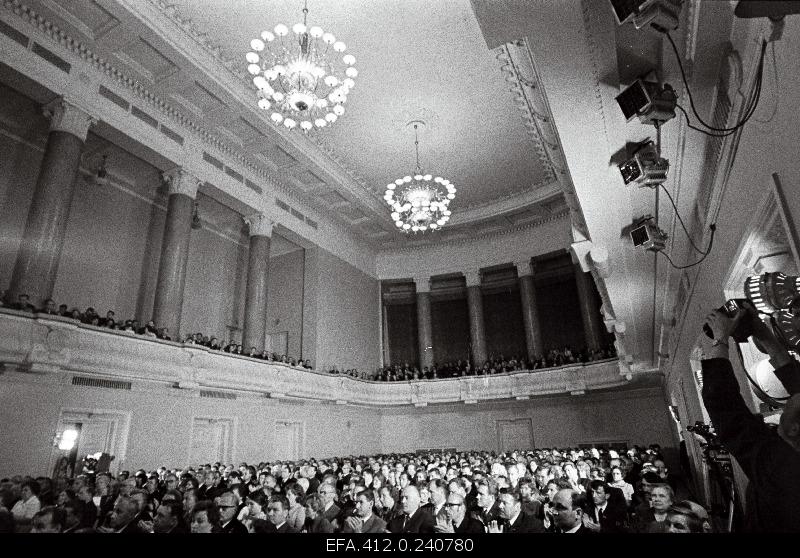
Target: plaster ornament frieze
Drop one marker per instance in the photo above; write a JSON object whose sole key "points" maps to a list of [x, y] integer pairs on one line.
{"points": [[65, 116], [181, 181], [259, 224]]}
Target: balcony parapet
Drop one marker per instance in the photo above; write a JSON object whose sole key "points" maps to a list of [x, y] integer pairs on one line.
{"points": [[44, 344]]}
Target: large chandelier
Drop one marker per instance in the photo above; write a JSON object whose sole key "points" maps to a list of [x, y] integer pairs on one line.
{"points": [[300, 77], [420, 202]]}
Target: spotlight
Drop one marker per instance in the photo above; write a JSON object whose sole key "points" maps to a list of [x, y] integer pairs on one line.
{"points": [[663, 13], [647, 234], [645, 168], [652, 103], [771, 292]]}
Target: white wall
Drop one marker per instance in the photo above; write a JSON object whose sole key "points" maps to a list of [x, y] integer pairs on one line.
{"points": [[635, 417], [473, 254], [285, 298]]}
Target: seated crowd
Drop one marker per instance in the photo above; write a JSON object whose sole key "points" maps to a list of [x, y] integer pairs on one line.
{"points": [[149, 329], [494, 365], [560, 491]]}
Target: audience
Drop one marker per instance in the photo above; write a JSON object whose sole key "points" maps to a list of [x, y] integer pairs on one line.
{"points": [[449, 492]]}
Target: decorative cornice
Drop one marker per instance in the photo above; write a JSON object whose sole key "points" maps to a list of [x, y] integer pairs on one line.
{"points": [[411, 247]]}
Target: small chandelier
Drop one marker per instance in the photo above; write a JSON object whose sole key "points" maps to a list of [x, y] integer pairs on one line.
{"points": [[300, 78], [420, 202]]}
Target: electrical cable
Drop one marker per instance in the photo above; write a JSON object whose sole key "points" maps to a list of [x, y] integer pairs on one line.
{"points": [[689, 91], [713, 228], [680, 220], [777, 88]]}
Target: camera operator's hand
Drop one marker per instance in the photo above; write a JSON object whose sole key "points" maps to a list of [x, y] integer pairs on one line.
{"points": [[723, 326]]}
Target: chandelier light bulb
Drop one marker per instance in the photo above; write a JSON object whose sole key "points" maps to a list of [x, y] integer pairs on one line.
{"points": [[263, 104], [257, 45], [391, 186], [299, 28], [268, 36], [277, 117], [320, 123], [315, 32], [330, 117], [253, 58], [306, 125], [281, 30], [328, 38], [254, 69], [289, 123], [349, 59], [260, 82]]}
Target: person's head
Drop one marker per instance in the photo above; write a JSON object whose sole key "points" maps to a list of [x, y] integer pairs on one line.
{"points": [[256, 502], [327, 491], [616, 474], [167, 516], [29, 490], [86, 493], [170, 481], [73, 513], [455, 508], [364, 500], [600, 492], [410, 499], [50, 305], [542, 475], [486, 493], [125, 510], [48, 520], [277, 509], [226, 506], [571, 471], [510, 505], [568, 508], [687, 517], [661, 497], [315, 505], [789, 424], [438, 492], [205, 518], [296, 494], [386, 497]]}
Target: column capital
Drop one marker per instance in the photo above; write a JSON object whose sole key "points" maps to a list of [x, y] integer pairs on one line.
{"points": [[423, 283], [473, 277], [259, 224], [67, 117], [524, 267], [181, 181]]}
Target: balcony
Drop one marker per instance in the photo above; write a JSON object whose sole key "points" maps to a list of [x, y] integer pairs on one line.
{"points": [[52, 345]]}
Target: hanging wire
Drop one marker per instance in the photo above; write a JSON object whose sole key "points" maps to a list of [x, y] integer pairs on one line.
{"points": [[416, 146], [305, 12]]}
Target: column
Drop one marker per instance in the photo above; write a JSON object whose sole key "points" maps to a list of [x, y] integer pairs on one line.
{"points": [[255, 298], [477, 330], [590, 312], [45, 228], [424, 328], [530, 314], [168, 302]]}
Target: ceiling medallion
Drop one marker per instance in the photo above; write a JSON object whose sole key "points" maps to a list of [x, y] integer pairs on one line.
{"points": [[420, 202], [300, 77]]}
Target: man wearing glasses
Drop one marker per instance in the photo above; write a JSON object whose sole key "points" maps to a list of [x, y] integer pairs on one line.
{"points": [[226, 505], [455, 518], [331, 511]]}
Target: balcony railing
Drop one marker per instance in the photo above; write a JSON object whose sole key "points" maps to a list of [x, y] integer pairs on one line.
{"points": [[44, 344]]}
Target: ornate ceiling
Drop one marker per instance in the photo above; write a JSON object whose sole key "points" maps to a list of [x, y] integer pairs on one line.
{"points": [[416, 60]]}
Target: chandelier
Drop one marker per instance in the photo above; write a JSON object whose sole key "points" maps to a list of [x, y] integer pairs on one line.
{"points": [[300, 77], [420, 202]]}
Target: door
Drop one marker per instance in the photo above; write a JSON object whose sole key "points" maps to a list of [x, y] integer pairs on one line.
{"points": [[211, 441], [288, 440]]}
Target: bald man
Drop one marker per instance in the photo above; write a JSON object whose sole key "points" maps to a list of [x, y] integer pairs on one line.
{"points": [[770, 458], [414, 519]]}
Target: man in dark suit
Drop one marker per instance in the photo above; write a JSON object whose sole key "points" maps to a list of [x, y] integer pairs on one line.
{"points": [[364, 521], [456, 519], [169, 518], [607, 509], [567, 508], [278, 513], [331, 511], [514, 520], [413, 519], [226, 505], [123, 516], [488, 508]]}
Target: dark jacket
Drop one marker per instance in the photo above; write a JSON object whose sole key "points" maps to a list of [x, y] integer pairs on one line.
{"points": [[771, 465], [470, 525], [524, 524], [319, 525], [420, 522], [234, 526]]}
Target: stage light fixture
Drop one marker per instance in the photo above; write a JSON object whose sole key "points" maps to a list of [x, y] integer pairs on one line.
{"points": [[648, 235], [652, 103], [645, 167], [662, 13]]}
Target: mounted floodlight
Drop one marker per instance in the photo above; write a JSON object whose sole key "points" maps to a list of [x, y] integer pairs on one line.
{"points": [[645, 167], [661, 13], [649, 101], [648, 235]]}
